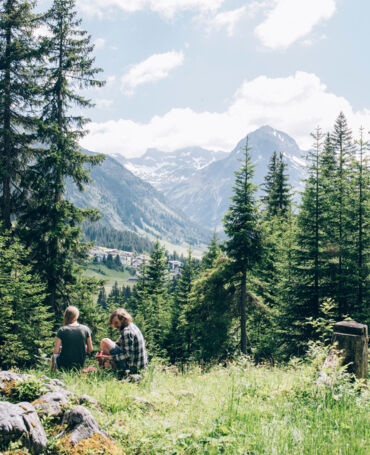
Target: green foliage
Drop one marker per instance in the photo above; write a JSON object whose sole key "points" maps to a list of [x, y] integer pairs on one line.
{"points": [[233, 410], [25, 325], [152, 302], [19, 98], [242, 227], [277, 199], [111, 238], [50, 225], [28, 390]]}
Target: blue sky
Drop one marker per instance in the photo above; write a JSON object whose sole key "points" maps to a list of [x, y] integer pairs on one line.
{"points": [[206, 72]]}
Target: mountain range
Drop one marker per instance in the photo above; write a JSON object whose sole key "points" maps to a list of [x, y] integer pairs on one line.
{"points": [[181, 196], [129, 203], [200, 181]]}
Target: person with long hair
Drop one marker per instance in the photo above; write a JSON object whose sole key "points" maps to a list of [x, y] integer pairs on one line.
{"points": [[128, 353], [72, 342]]}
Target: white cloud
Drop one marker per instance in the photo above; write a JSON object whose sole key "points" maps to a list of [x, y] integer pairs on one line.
{"points": [[289, 20], [227, 19], [167, 8], [154, 68], [296, 104], [99, 43]]}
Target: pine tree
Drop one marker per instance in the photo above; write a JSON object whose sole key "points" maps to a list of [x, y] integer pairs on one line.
{"points": [[208, 317], [25, 324], [343, 146], [102, 298], [358, 223], [212, 253], [19, 57], [308, 254], [244, 237], [179, 336], [277, 199], [153, 303], [51, 224]]}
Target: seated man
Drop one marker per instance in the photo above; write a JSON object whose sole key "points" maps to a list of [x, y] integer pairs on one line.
{"points": [[128, 353]]}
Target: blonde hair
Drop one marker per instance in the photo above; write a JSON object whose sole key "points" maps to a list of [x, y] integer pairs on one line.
{"points": [[122, 315], [71, 315]]}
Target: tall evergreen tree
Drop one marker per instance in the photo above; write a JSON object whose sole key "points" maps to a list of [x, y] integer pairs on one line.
{"points": [[244, 237], [153, 303], [277, 198], [52, 224], [343, 146], [358, 250], [19, 57], [179, 336], [308, 254], [25, 325]]}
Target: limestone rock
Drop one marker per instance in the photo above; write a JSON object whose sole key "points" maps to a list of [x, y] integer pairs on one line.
{"points": [[7, 377], [81, 425], [21, 421], [52, 403], [89, 401]]}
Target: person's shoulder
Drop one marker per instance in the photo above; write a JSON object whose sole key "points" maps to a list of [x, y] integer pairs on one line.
{"points": [[85, 328], [60, 331]]}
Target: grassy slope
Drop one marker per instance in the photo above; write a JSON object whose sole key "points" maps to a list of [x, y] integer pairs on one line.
{"points": [[110, 276], [241, 409]]}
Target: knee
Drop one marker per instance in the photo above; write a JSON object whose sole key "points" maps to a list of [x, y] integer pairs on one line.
{"points": [[104, 343]]}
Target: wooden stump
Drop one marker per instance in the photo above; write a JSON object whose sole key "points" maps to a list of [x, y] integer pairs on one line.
{"points": [[351, 339]]}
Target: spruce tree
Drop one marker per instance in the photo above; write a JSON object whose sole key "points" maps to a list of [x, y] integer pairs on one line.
{"points": [[153, 302], [102, 298], [308, 254], [179, 336], [277, 199], [51, 224], [244, 237], [343, 146], [25, 323], [19, 59], [358, 224], [212, 253]]}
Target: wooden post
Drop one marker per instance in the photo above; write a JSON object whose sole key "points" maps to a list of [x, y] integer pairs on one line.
{"points": [[352, 339]]}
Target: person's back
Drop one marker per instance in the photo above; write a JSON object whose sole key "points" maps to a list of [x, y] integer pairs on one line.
{"points": [[74, 340]]}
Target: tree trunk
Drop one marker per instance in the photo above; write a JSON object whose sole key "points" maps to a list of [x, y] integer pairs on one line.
{"points": [[243, 313]]}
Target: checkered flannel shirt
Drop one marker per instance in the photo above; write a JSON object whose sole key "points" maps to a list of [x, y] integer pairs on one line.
{"points": [[132, 344]]}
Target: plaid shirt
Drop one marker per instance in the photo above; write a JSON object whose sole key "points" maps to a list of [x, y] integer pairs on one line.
{"points": [[132, 344]]}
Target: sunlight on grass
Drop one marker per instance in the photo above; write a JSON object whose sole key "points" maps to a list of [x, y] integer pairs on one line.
{"points": [[241, 409]]}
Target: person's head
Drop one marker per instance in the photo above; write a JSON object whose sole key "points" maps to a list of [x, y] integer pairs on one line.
{"points": [[120, 318], [71, 315]]}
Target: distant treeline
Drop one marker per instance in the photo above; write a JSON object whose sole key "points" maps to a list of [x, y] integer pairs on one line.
{"points": [[112, 238]]}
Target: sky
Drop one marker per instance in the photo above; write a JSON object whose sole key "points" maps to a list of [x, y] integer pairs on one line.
{"points": [[205, 73]]}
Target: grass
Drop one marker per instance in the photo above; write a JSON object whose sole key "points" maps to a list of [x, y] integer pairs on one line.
{"points": [[238, 409], [102, 272]]}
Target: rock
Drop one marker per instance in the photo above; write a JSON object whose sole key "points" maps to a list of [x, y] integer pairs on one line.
{"points": [[8, 377], [89, 401], [142, 401], [52, 403], [21, 421], [133, 378], [81, 425], [53, 382]]}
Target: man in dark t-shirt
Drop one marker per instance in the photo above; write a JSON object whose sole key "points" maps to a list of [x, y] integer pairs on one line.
{"points": [[72, 342]]}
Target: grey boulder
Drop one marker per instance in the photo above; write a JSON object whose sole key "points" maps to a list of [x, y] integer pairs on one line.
{"points": [[81, 425], [20, 421], [52, 403]]}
